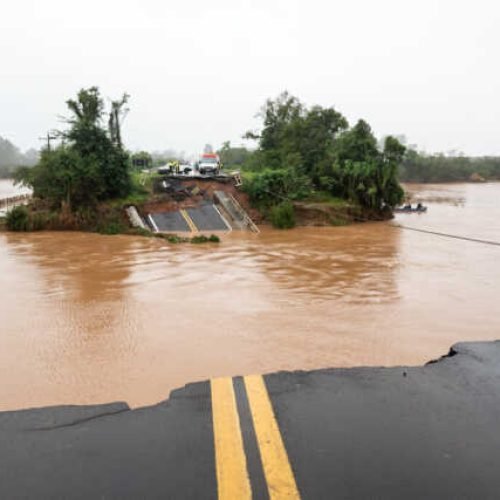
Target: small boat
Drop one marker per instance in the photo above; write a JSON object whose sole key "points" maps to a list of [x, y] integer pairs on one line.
{"points": [[408, 209]]}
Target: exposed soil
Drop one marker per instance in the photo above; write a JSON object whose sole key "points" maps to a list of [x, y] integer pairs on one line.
{"points": [[325, 214], [307, 213], [165, 202]]}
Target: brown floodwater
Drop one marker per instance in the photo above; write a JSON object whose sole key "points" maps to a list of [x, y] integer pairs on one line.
{"points": [[87, 318]]}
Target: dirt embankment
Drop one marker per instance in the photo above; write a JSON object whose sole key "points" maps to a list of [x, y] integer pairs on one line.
{"points": [[326, 214], [198, 190], [190, 193]]}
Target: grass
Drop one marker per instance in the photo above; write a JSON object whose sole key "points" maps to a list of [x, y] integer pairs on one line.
{"points": [[327, 199], [142, 189]]}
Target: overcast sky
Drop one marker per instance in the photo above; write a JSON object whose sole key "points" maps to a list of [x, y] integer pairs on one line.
{"points": [[198, 71]]}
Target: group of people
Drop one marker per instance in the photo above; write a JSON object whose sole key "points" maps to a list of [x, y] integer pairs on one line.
{"points": [[409, 207], [174, 166]]}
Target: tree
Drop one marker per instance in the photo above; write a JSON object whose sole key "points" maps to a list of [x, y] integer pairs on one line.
{"points": [[63, 175], [87, 108], [294, 136], [89, 166], [363, 173], [278, 116], [90, 139], [233, 156], [357, 144], [142, 159], [116, 115], [316, 143]]}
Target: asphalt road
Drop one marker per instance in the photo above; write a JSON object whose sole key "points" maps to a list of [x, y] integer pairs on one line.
{"points": [[207, 218], [423, 432], [170, 222], [202, 218]]}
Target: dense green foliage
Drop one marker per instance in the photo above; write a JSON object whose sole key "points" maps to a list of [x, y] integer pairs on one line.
{"points": [[18, 219], [201, 238], [141, 160], [363, 173], [269, 186], [303, 149], [282, 216], [419, 167], [90, 165]]}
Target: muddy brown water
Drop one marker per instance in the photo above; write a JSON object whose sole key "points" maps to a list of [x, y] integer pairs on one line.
{"points": [[87, 318]]}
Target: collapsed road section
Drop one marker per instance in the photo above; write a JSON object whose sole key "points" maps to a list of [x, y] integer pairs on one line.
{"points": [[403, 432], [197, 205], [202, 218]]}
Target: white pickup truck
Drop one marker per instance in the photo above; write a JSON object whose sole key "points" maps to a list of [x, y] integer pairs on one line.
{"points": [[209, 164]]}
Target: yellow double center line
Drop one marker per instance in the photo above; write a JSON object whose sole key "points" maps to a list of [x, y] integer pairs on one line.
{"points": [[231, 465], [189, 221]]}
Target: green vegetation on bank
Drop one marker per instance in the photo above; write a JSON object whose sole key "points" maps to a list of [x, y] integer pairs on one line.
{"points": [[307, 160], [84, 182], [282, 215], [90, 165], [304, 150]]}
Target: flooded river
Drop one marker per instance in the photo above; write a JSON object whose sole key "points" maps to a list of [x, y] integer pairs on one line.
{"points": [[87, 318]]}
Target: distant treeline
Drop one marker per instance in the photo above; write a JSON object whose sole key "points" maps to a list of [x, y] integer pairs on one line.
{"points": [[11, 158], [415, 167], [420, 167]]}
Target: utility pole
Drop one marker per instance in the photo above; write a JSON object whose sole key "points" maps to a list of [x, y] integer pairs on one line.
{"points": [[48, 139]]}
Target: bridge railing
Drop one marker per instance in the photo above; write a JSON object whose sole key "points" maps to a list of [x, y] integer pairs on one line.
{"points": [[12, 201]]}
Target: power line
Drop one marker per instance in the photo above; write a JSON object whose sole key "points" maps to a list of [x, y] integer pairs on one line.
{"points": [[446, 235], [48, 138]]}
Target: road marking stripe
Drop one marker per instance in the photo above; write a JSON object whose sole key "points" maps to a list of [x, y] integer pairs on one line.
{"points": [[231, 465], [189, 221], [277, 469], [153, 223], [229, 228]]}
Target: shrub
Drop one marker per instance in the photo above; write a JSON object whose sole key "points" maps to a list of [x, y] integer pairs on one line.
{"points": [[204, 239], [171, 238], [39, 221], [140, 231], [283, 215], [111, 227], [273, 186], [199, 239], [18, 219]]}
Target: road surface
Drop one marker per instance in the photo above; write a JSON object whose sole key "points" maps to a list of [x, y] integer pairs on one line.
{"points": [[420, 432]]}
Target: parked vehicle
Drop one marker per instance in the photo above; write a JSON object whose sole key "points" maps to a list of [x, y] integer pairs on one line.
{"points": [[209, 164]]}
